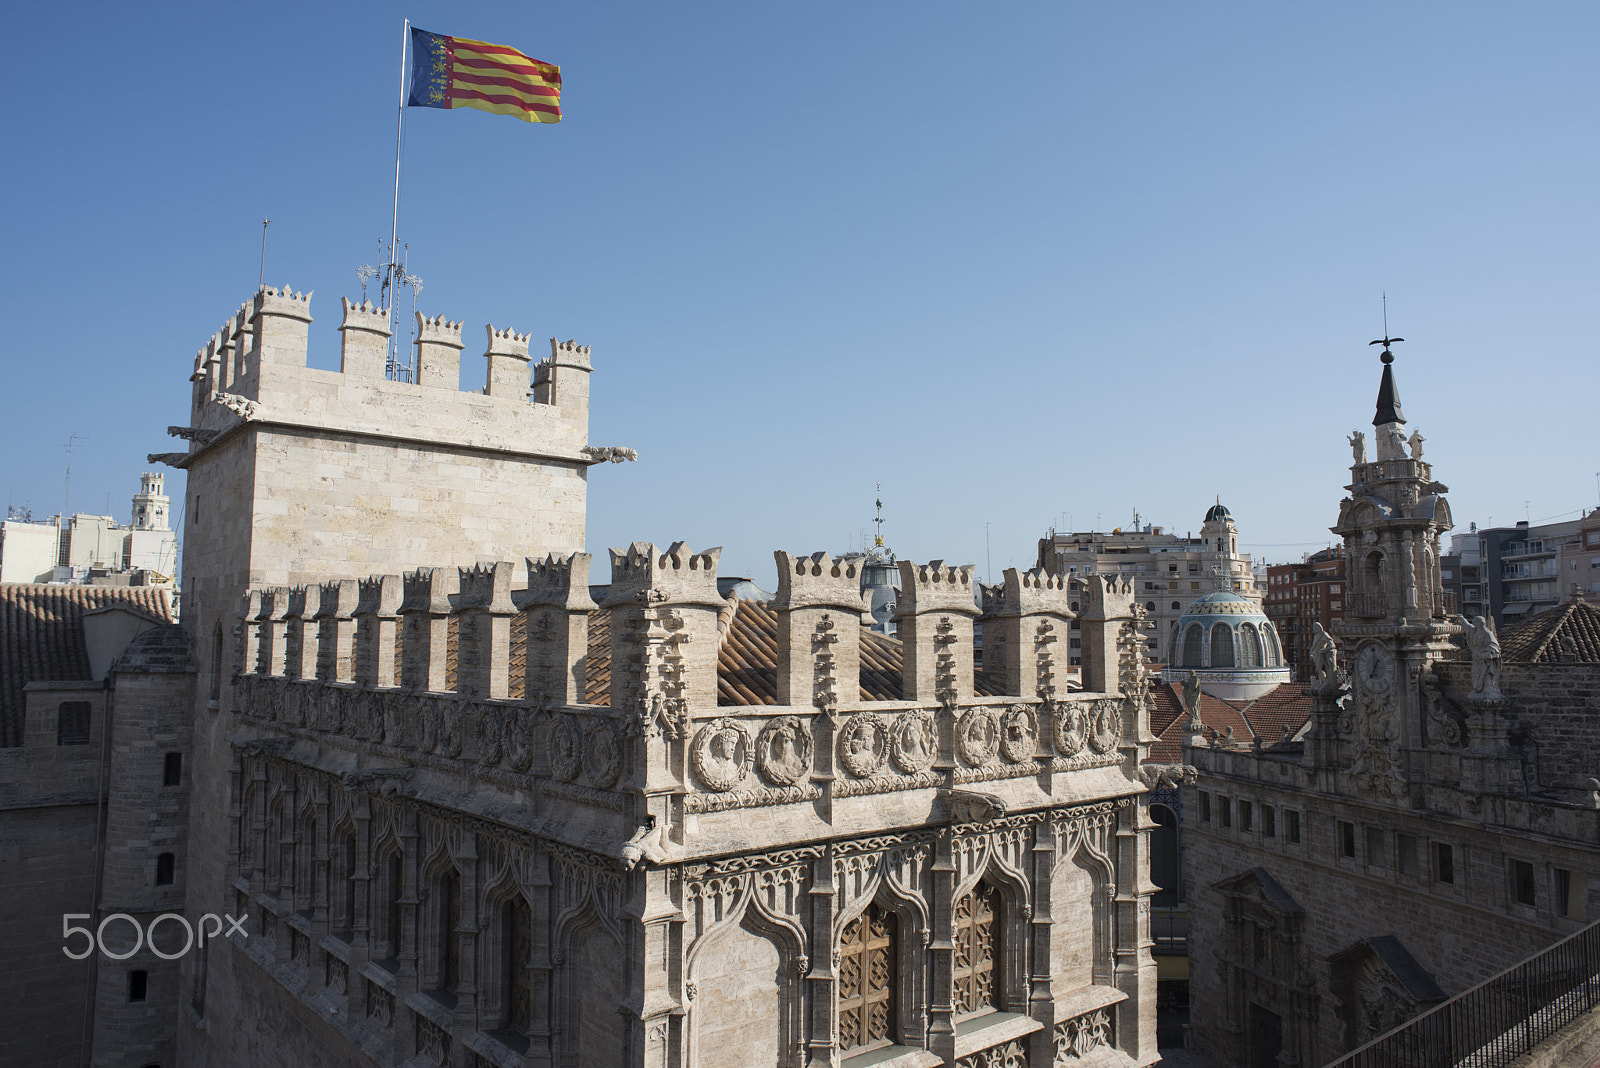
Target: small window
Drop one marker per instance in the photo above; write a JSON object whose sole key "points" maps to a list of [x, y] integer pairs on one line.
{"points": [[1227, 811], [1205, 807], [1269, 821], [172, 773], [1246, 816], [138, 980], [1444, 862], [1375, 855], [72, 723], [1347, 839], [1407, 845], [1294, 827], [1564, 895], [1177, 606], [1522, 888], [165, 864]]}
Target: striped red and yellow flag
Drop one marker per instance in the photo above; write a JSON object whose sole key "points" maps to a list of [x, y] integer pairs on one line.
{"points": [[454, 72]]}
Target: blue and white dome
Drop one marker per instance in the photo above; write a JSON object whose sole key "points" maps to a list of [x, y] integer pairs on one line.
{"points": [[1226, 640]]}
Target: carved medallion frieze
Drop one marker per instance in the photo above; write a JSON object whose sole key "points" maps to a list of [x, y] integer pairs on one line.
{"points": [[1071, 729], [1105, 728], [1019, 734], [783, 750], [863, 744], [915, 741], [566, 743], [602, 756], [977, 736], [722, 754]]}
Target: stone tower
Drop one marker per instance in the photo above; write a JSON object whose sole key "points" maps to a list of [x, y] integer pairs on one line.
{"points": [[1395, 623], [308, 478], [151, 506]]}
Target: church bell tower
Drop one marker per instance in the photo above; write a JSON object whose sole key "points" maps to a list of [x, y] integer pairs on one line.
{"points": [[1395, 622]]}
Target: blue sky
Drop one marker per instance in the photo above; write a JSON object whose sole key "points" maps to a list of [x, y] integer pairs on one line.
{"points": [[1024, 265]]}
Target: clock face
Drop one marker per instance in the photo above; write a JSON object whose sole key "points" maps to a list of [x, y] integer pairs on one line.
{"points": [[1374, 668]]}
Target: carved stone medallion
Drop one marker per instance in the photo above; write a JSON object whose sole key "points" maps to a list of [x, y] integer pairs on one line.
{"points": [[863, 744], [1105, 728], [1072, 729], [783, 750], [722, 754], [977, 736], [1019, 734], [602, 758], [915, 741], [566, 748]]}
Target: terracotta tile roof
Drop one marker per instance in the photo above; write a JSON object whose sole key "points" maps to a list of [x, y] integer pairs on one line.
{"points": [[1538, 639], [747, 660], [1167, 720], [1279, 715], [41, 637]]}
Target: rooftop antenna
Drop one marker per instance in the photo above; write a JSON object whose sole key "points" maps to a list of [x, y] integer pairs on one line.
{"points": [[988, 558], [261, 279], [66, 483], [366, 272], [877, 542]]}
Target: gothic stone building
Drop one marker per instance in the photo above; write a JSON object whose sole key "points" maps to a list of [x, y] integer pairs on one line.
{"points": [[476, 819], [1432, 825]]}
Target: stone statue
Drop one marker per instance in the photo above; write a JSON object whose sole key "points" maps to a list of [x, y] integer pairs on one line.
{"points": [[1324, 657], [1416, 440], [1484, 645], [1191, 702], [1358, 446]]}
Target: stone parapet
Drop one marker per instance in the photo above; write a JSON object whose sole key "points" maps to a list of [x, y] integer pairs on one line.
{"points": [[366, 332], [819, 609]]}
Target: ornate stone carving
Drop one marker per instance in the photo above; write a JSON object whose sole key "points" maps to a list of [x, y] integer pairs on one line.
{"points": [[1019, 734], [243, 407], [915, 741], [602, 756], [1071, 729], [863, 744], [1105, 729], [783, 750], [1008, 1055], [1358, 446], [566, 748], [1324, 659], [1080, 1036], [977, 736], [722, 754]]}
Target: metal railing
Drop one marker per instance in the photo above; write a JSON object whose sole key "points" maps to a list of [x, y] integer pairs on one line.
{"points": [[1497, 1021], [1367, 605]]}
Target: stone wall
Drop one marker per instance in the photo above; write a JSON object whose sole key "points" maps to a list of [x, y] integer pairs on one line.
{"points": [[1460, 932]]}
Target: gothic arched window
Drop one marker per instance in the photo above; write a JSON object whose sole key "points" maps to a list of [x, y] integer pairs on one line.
{"points": [[867, 951], [1191, 646], [976, 972], [447, 919], [1249, 646], [518, 950], [1274, 656], [1221, 646]]}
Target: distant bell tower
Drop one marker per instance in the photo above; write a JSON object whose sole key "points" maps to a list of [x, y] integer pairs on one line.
{"points": [[151, 506], [1395, 621]]}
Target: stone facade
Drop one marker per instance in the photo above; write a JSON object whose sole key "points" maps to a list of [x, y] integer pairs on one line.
{"points": [[450, 853], [1433, 826]]}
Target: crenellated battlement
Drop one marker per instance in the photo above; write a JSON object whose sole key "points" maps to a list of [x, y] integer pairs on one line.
{"points": [[1031, 592], [675, 575], [818, 580], [486, 586], [560, 580], [936, 587]]}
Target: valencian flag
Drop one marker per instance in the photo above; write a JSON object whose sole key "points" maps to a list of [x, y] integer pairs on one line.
{"points": [[454, 72]]}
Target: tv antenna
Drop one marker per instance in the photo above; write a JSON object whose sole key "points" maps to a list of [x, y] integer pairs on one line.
{"points": [[66, 483]]}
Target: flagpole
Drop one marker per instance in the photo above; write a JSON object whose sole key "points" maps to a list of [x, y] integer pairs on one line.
{"points": [[390, 282]]}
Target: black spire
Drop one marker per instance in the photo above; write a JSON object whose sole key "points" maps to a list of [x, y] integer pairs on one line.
{"points": [[1388, 396]]}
